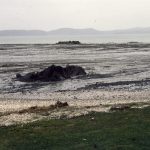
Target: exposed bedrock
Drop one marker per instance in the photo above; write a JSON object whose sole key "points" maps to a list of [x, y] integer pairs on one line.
{"points": [[52, 73]]}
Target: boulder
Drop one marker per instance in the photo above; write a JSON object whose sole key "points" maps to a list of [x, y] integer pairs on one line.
{"points": [[52, 73], [61, 104]]}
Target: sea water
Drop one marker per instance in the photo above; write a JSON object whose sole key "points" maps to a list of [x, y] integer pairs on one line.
{"points": [[117, 38]]}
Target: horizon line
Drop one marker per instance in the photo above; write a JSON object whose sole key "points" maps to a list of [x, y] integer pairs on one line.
{"points": [[76, 28]]}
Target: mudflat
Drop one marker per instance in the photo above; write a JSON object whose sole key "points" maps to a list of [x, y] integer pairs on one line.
{"points": [[115, 74]]}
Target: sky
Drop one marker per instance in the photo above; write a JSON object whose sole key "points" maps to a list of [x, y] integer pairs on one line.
{"points": [[53, 14]]}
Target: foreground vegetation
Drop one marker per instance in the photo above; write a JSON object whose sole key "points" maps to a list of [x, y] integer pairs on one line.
{"points": [[127, 130]]}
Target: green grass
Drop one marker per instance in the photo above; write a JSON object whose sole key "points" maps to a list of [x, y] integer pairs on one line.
{"points": [[128, 130]]}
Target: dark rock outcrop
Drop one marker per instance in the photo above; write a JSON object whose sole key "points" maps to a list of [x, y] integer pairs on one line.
{"points": [[69, 42], [52, 73], [43, 109]]}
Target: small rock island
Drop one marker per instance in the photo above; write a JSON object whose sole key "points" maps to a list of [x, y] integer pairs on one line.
{"points": [[69, 42]]}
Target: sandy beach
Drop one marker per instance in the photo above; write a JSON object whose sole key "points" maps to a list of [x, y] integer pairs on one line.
{"points": [[80, 103]]}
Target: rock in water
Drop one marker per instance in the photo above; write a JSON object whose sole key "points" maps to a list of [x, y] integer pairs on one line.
{"points": [[52, 73], [69, 42]]}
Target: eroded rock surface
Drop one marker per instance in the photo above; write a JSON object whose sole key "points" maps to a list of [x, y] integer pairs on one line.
{"points": [[52, 73]]}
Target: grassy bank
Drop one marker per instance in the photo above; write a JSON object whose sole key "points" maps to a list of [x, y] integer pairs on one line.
{"points": [[128, 130]]}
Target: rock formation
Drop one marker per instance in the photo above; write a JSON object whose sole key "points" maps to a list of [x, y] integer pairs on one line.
{"points": [[52, 73], [69, 42]]}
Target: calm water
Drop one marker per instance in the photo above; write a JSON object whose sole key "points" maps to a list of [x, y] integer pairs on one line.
{"points": [[84, 39]]}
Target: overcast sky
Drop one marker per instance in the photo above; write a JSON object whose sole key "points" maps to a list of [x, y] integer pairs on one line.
{"points": [[53, 14]]}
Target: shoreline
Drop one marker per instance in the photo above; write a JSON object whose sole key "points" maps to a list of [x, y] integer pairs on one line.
{"points": [[80, 103]]}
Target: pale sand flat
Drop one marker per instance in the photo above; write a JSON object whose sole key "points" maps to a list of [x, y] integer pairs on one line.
{"points": [[96, 100]]}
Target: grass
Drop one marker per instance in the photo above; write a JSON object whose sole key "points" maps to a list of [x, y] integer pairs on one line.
{"points": [[127, 130]]}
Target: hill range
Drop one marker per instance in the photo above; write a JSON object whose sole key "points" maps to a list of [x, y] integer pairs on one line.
{"points": [[73, 32]]}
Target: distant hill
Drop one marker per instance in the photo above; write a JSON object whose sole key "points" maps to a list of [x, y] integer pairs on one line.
{"points": [[131, 31], [72, 32], [22, 32]]}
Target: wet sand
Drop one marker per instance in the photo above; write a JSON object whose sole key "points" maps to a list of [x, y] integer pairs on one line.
{"points": [[109, 66]]}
